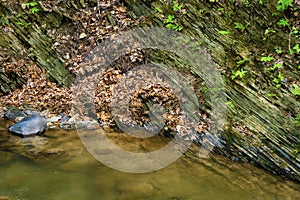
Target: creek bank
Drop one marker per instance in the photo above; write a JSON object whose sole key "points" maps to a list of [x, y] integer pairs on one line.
{"points": [[29, 122]]}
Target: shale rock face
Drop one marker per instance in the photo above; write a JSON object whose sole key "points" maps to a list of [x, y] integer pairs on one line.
{"points": [[29, 126]]}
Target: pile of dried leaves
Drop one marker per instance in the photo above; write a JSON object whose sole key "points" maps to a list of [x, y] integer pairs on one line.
{"points": [[38, 93], [91, 23]]}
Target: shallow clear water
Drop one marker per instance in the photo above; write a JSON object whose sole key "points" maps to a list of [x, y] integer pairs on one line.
{"points": [[58, 167]]}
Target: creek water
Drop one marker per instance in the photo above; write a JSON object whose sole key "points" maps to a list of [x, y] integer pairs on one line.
{"points": [[57, 166]]}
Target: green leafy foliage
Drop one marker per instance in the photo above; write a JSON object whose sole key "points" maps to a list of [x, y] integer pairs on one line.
{"points": [[31, 4], [174, 27], [239, 73], [230, 104], [283, 4], [266, 58], [241, 62], [271, 95], [34, 10], [275, 66], [283, 22], [279, 79], [239, 26], [171, 24], [223, 32], [297, 48], [158, 9], [177, 6], [4, 21], [297, 120], [296, 90], [294, 31], [170, 19], [278, 50]]}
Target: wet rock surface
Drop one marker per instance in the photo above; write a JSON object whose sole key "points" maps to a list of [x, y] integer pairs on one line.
{"points": [[29, 126], [14, 113]]}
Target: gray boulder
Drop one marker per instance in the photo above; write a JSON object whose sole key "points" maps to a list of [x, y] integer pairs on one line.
{"points": [[29, 126]]}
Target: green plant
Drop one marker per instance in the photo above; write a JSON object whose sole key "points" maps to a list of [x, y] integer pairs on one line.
{"points": [[223, 32], [283, 4], [297, 120], [239, 73], [266, 58], [230, 104], [158, 9], [296, 90], [240, 62], [170, 19], [174, 27], [269, 30], [297, 48], [275, 66], [22, 20], [294, 31], [279, 79], [34, 10], [261, 2], [201, 10], [239, 26], [271, 95], [32, 6], [4, 21], [177, 6], [283, 22], [278, 50], [171, 24]]}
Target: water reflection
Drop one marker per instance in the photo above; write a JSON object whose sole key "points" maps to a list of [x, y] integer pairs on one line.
{"points": [[75, 174]]}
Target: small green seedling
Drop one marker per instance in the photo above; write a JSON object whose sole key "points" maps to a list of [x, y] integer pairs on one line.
{"points": [[297, 120], [223, 32], [296, 90], [283, 22], [241, 62], [266, 58], [296, 48], [158, 9], [239, 73], [271, 95], [279, 79], [4, 21], [177, 6], [278, 50], [239, 26], [275, 66], [284, 4], [230, 104]]}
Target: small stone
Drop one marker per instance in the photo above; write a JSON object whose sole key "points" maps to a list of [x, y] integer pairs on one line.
{"points": [[19, 119], [82, 35], [44, 113], [29, 126], [54, 119]]}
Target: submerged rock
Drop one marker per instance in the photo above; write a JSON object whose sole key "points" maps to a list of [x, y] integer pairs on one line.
{"points": [[29, 126]]}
